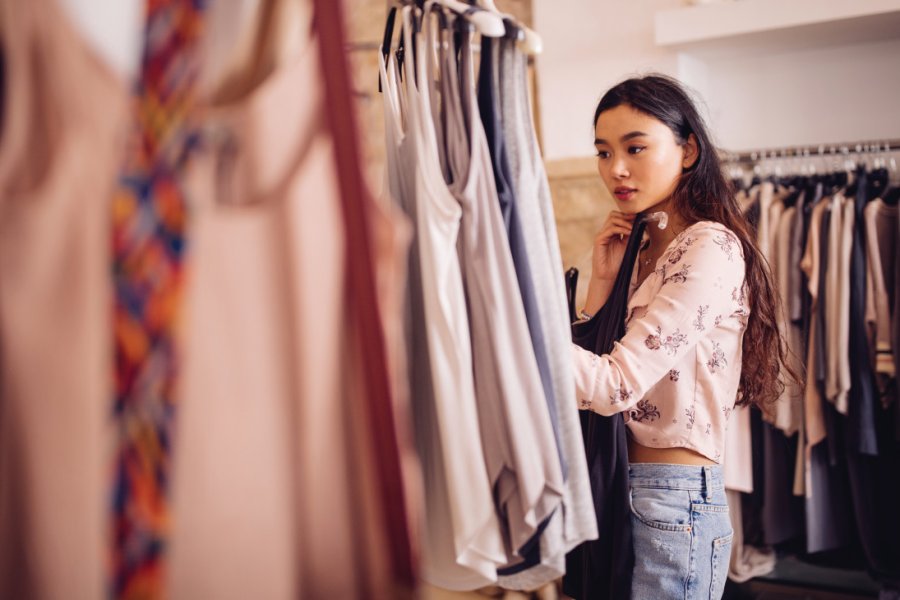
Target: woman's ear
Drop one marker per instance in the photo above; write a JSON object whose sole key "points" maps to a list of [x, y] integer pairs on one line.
{"points": [[691, 152]]}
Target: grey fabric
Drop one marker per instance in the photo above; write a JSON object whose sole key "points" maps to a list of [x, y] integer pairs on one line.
{"points": [[524, 188], [517, 433], [462, 542], [576, 522]]}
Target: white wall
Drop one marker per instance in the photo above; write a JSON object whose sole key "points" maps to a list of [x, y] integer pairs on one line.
{"points": [[589, 45], [754, 99]]}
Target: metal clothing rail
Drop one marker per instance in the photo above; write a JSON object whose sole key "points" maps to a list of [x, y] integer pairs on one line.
{"points": [[812, 151]]}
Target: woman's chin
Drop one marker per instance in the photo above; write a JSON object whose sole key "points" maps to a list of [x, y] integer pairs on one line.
{"points": [[628, 208]]}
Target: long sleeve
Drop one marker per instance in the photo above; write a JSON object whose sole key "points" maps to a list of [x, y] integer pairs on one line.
{"points": [[700, 296]]}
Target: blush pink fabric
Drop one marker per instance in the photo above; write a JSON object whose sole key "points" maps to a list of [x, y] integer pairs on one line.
{"points": [[676, 371]]}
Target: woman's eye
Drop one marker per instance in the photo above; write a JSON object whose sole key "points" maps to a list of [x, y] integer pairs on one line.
{"points": [[602, 154], [636, 149]]}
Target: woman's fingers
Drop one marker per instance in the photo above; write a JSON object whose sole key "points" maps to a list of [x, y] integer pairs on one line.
{"points": [[619, 219], [614, 231]]}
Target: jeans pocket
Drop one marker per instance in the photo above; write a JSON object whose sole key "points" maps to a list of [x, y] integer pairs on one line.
{"points": [[721, 557], [661, 508]]}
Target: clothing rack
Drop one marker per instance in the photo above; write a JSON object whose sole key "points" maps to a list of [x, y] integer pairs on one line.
{"points": [[812, 151]]}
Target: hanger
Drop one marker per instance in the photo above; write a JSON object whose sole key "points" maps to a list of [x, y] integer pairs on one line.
{"points": [[487, 23], [531, 42]]}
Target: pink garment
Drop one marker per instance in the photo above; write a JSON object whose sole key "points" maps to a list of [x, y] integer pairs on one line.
{"points": [[64, 113], [275, 493], [271, 376], [676, 371], [737, 467]]}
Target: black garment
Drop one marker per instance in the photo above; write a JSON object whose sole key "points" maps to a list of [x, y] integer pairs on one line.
{"points": [[895, 320], [782, 510], [875, 487], [873, 455], [602, 568], [863, 400], [752, 502]]}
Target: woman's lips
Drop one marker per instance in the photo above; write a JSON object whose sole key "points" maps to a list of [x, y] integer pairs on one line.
{"points": [[624, 193]]}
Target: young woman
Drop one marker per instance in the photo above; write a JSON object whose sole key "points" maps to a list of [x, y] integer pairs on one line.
{"points": [[701, 306]]}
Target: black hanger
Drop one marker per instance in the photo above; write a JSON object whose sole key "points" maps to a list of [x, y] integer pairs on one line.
{"points": [[513, 31], [388, 37], [571, 278], [877, 183]]}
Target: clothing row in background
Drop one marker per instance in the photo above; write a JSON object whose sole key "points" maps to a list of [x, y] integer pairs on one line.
{"points": [[826, 457], [487, 330], [233, 436]]}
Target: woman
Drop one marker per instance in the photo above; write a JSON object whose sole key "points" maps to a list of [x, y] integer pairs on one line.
{"points": [[701, 306]]}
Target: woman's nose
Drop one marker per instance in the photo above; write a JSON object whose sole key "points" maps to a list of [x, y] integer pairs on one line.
{"points": [[620, 169]]}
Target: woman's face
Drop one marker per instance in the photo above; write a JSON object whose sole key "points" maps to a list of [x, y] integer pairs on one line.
{"points": [[639, 158]]}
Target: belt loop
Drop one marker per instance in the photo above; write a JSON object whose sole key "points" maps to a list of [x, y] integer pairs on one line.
{"points": [[707, 484]]}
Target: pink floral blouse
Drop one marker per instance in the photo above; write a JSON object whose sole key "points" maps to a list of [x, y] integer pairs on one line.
{"points": [[675, 373]]}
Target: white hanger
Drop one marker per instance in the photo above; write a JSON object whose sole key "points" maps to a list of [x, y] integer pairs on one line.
{"points": [[531, 41], [488, 23]]}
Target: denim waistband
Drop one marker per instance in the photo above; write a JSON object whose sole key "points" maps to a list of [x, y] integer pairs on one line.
{"points": [[680, 477]]}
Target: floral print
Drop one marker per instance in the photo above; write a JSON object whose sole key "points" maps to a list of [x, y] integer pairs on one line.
{"points": [[671, 338], [717, 361], [690, 413], [620, 395], [653, 341], [701, 312], [727, 410], [678, 252], [679, 276], [644, 411], [726, 242], [584, 404], [738, 295], [671, 342]]}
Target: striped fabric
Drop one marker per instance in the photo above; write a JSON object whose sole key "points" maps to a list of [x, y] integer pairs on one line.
{"points": [[148, 236]]}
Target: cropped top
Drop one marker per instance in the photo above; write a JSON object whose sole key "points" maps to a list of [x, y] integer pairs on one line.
{"points": [[675, 372]]}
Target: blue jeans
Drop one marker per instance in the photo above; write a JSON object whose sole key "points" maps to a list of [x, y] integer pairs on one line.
{"points": [[682, 532]]}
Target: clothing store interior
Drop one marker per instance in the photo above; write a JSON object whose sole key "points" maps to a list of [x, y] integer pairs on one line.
{"points": [[356, 299]]}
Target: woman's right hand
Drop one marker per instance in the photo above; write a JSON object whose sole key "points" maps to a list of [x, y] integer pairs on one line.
{"points": [[609, 245]]}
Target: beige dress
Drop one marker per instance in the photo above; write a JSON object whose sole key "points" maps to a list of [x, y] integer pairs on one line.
{"points": [[274, 493], [55, 305]]}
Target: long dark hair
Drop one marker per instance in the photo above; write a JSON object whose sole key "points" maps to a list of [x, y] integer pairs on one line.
{"points": [[704, 194]]}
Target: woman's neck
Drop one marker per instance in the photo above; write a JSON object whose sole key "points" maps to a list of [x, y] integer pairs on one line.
{"points": [[660, 238]]}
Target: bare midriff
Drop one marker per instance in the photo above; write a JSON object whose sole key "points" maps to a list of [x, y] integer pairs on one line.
{"points": [[674, 456]]}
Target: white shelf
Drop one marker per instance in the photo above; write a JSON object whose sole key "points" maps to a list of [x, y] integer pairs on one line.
{"points": [[740, 25]]}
